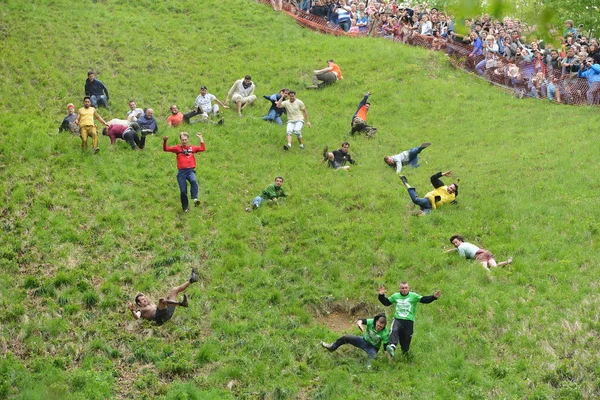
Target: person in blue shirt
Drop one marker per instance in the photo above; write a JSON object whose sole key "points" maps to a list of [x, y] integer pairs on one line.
{"points": [[96, 90], [591, 72], [275, 112]]}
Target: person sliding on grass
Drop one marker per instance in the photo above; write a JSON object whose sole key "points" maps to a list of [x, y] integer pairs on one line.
{"points": [[166, 307], [273, 192], [186, 164], [337, 159], [468, 250], [326, 76], [375, 333], [404, 315], [359, 119], [405, 158], [439, 196]]}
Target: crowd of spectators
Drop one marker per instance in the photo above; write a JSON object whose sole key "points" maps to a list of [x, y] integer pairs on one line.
{"points": [[498, 50]]}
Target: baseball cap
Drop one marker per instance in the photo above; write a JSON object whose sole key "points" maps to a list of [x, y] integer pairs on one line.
{"points": [[70, 105]]}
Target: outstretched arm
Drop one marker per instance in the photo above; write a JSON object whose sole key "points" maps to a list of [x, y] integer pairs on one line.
{"points": [[429, 299], [361, 325], [382, 299], [436, 181], [221, 103]]}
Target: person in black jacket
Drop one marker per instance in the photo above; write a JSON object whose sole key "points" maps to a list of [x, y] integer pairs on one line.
{"points": [[275, 112], [96, 90], [337, 159], [404, 315]]}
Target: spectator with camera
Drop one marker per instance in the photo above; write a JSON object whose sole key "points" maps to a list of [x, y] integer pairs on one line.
{"points": [[591, 72]]}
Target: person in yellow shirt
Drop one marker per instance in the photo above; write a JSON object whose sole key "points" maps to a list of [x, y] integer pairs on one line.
{"points": [[87, 127], [440, 195]]}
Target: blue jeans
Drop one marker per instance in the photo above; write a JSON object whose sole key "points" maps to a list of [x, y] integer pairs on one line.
{"points": [[272, 116], [422, 202], [345, 25], [184, 175], [100, 101], [413, 156], [257, 201], [355, 341], [593, 88]]}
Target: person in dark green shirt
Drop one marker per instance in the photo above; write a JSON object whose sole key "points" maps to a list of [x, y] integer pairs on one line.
{"points": [[375, 333], [405, 303], [273, 192]]}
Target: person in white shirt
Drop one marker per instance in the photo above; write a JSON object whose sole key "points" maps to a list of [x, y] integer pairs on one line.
{"points": [[469, 250], [204, 107], [242, 93]]}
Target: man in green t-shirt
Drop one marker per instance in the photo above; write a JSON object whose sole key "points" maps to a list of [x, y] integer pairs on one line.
{"points": [[404, 315], [375, 333], [273, 192]]}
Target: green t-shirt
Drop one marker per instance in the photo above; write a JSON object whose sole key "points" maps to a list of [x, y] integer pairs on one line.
{"points": [[272, 192], [375, 337], [406, 306]]}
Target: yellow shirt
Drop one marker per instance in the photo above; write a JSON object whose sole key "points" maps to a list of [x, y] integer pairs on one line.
{"points": [[86, 116], [294, 110], [442, 193]]}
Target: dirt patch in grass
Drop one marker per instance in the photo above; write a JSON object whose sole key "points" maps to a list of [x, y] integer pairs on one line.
{"points": [[341, 316], [337, 321]]}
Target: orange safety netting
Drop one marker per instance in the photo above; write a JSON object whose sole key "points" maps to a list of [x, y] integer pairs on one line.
{"points": [[521, 78]]}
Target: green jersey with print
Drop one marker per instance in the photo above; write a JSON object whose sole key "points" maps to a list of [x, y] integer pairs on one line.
{"points": [[375, 337], [406, 306]]}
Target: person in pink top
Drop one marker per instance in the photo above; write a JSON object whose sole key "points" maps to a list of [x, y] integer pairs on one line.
{"points": [[186, 165]]}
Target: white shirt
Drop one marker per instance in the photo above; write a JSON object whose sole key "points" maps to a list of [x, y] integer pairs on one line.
{"points": [[204, 102]]}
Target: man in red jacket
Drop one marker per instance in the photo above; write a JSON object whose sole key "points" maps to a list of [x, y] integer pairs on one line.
{"points": [[186, 164]]}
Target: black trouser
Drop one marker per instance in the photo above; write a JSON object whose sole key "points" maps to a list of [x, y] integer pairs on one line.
{"points": [[131, 137], [402, 331], [191, 114]]}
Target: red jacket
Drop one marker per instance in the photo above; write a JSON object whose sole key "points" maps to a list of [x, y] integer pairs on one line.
{"points": [[185, 155]]}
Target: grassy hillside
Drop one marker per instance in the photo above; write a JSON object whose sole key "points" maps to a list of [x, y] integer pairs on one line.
{"points": [[82, 234]]}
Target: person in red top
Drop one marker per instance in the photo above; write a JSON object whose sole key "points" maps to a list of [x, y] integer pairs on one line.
{"points": [[359, 119], [130, 134], [186, 164]]}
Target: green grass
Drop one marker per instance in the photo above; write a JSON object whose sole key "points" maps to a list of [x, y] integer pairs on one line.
{"points": [[82, 234]]}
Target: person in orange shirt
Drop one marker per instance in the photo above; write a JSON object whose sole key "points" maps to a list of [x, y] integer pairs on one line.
{"points": [[327, 75], [359, 119], [176, 117]]}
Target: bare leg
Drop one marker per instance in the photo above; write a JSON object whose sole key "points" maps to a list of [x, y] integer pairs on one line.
{"points": [[176, 290], [289, 140], [239, 107], [503, 263]]}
